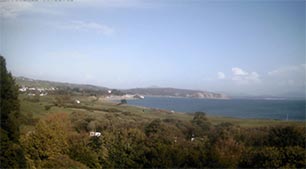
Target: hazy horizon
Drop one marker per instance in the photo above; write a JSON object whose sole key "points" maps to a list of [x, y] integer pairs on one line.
{"points": [[236, 47]]}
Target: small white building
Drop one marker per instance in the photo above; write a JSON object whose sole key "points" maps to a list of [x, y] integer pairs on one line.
{"points": [[77, 101], [23, 89], [94, 134], [192, 137], [40, 89], [109, 91], [43, 94], [32, 88]]}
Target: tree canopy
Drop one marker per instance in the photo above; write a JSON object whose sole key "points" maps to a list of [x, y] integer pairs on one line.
{"points": [[11, 152]]}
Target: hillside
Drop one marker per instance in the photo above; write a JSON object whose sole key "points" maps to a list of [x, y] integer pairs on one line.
{"points": [[24, 81], [172, 92], [164, 92]]}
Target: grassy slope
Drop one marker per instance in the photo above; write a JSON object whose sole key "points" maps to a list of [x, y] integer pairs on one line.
{"points": [[135, 113]]}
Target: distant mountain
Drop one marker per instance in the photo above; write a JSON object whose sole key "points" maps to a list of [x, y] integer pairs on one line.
{"points": [[269, 97], [153, 91], [24, 81], [172, 92]]}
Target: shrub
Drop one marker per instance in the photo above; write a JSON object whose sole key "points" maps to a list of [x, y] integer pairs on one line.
{"points": [[286, 136]]}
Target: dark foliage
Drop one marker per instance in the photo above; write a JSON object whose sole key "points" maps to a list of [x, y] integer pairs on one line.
{"points": [[11, 153]]}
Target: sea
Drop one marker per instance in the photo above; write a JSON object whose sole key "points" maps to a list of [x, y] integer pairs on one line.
{"points": [[237, 108]]}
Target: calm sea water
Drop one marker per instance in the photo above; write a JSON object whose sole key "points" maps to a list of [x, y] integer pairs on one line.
{"points": [[262, 109]]}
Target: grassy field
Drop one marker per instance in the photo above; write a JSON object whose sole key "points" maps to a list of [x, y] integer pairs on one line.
{"points": [[89, 106]]}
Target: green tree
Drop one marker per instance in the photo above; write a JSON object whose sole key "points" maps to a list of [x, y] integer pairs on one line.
{"points": [[80, 152], [63, 161], [200, 121], [9, 103], [123, 101], [48, 141], [11, 153], [294, 157], [153, 127], [227, 153], [266, 157], [282, 136]]}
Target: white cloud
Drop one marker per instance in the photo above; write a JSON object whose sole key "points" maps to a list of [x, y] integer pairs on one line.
{"points": [[221, 75], [112, 3], [288, 70], [239, 71], [288, 75], [88, 27], [243, 77], [10, 9]]}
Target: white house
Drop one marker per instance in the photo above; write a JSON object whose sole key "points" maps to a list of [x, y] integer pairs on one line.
{"points": [[43, 94], [77, 101], [23, 89], [94, 134], [40, 89], [32, 88], [192, 137]]}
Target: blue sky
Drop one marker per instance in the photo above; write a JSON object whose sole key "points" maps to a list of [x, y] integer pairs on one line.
{"points": [[237, 47]]}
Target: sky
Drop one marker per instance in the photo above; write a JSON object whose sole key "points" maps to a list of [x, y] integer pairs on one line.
{"points": [[237, 47]]}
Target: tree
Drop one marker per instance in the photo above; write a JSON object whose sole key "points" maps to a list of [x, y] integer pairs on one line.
{"points": [[153, 127], [11, 153], [80, 152], [265, 157], [294, 157], [48, 141], [286, 136], [9, 102], [227, 153], [123, 101], [201, 124], [63, 161]]}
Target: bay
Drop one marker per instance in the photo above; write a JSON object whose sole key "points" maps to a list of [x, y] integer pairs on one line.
{"points": [[238, 108]]}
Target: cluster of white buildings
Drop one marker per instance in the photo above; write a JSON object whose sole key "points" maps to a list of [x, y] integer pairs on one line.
{"points": [[34, 90], [40, 89]]}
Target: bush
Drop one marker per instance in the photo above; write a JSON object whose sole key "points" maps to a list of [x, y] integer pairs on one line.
{"points": [[123, 101], [48, 107], [286, 136], [266, 157], [48, 140], [62, 161]]}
